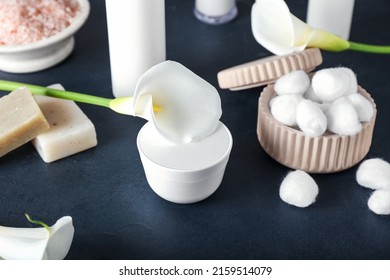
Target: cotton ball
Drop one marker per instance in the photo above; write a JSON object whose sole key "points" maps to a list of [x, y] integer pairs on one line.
{"points": [[374, 174], [310, 118], [298, 189], [379, 202], [343, 118], [295, 82], [324, 106], [333, 83], [311, 95], [284, 108], [353, 84], [362, 106]]}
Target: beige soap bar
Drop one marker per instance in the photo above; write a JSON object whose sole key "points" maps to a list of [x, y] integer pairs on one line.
{"points": [[20, 120], [70, 129]]}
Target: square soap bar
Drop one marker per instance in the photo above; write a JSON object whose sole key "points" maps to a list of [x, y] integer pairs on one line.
{"points": [[20, 120], [70, 129]]}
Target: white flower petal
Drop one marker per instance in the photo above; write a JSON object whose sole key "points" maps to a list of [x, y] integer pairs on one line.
{"points": [[276, 29], [61, 237], [190, 106], [37, 243], [302, 33], [23, 243]]}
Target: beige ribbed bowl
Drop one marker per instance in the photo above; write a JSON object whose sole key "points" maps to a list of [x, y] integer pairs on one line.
{"points": [[326, 154]]}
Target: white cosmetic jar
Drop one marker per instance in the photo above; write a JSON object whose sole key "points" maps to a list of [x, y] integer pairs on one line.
{"points": [[184, 173]]}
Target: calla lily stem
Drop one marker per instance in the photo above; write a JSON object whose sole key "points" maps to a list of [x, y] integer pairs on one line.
{"points": [[71, 95], [35, 222], [369, 48]]}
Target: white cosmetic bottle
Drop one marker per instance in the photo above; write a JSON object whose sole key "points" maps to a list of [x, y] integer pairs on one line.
{"points": [[334, 16], [215, 11], [136, 36]]}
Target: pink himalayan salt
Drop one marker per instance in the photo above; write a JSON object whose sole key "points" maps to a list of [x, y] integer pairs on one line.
{"points": [[27, 21]]}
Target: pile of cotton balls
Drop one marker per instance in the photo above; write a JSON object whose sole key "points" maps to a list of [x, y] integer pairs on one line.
{"points": [[299, 189], [330, 101]]}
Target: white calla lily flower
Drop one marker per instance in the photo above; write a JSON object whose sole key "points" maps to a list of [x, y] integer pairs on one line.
{"points": [[182, 106], [280, 32], [45, 243], [190, 106]]}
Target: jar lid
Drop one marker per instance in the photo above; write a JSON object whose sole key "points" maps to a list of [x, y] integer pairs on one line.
{"points": [[185, 157], [268, 70]]}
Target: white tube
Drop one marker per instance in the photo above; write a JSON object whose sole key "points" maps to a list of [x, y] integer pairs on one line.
{"points": [[331, 15], [136, 35]]}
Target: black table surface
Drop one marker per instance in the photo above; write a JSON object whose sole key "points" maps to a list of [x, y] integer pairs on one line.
{"points": [[117, 215]]}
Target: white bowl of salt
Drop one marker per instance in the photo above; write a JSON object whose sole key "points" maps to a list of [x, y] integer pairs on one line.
{"points": [[36, 35]]}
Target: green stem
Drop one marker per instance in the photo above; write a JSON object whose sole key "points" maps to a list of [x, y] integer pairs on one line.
{"points": [[35, 222], [369, 48], [70, 95]]}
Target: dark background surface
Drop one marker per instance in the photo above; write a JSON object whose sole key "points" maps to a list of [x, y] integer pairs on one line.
{"points": [[117, 215]]}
